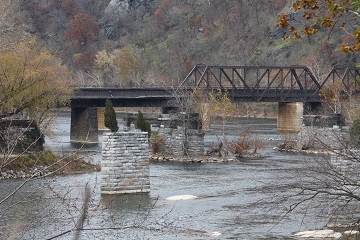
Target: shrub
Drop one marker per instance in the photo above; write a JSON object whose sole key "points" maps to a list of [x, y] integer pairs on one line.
{"points": [[25, 162], [47, 158], [157, 143], [110, 117]]}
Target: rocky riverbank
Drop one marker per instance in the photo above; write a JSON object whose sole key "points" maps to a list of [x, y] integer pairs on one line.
{"points": [[203, 159], [34, 173], [25, 167]]}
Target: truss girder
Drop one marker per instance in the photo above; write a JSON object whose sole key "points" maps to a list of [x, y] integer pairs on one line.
{"points": [[258, 82]]}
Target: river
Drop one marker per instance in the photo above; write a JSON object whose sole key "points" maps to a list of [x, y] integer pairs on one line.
{"points": [[234, 200]]}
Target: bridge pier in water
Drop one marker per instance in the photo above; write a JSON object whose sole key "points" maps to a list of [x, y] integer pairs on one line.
{"points": [[84, 125], [289, 116], [125, 163]]}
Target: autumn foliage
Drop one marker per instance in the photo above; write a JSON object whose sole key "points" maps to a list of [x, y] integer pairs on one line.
{"points": [[32, 80], [82, 29], [325, 14], [161, 12], [331, 95], [83, 60]]}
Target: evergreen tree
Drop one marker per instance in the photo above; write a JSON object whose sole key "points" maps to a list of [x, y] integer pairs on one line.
{"points": [[110, 116], [142, 124]]}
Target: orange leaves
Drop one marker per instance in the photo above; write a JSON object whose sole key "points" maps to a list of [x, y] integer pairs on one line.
{"points": [[295, 7], [327, 22], [306, 4], [283, 21], [331, 95], [294, 33], [345, 49], [310, 31], [308, 15], [324, 13]]}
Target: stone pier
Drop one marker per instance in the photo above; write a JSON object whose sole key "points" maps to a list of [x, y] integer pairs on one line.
{"points": [[125, 163], [178, 141], [289, 116], [84, 126]]}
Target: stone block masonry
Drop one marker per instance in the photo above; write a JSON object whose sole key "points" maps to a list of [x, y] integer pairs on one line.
{"points": [[125, 163], [20, 136], [175, 143], [177, 140]]}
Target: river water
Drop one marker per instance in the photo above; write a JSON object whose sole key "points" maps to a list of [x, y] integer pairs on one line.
{"points": [[234, 200]]}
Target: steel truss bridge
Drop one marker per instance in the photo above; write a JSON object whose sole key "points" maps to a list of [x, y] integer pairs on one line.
{"points": [[243, 84], [270, 84]]}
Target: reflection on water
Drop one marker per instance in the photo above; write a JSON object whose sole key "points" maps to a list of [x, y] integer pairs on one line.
{"points": [[230, 198]]}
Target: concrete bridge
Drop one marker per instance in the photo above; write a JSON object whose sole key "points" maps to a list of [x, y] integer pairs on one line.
{"points": [[291, 87]]}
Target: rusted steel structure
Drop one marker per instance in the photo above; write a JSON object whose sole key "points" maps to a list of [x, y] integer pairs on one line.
{"points": [[243, 84], [268, 84]]}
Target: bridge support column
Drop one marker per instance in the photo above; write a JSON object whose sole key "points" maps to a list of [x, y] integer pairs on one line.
{"points": [[101, 118], [84, 126], [125, 163], [289, 116]]}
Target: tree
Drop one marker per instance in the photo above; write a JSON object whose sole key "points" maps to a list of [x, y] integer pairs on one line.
{"points": [[327, 182], [161, 12], [141, 124], [110, 116], [223, 107], [105, 64], [326, 14], [332, 96], [32, 81], [11, 32], [128, 65], [83, 61], [83, 29], [185, 106]]}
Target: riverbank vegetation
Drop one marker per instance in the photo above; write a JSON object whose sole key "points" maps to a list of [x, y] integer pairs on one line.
{"points": [[45, 164], [48, 47]]}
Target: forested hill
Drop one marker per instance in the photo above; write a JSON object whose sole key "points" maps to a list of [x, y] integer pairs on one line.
{"points": [[146, 42]]}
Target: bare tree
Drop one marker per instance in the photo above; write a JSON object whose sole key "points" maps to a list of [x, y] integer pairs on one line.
{"points": [[328, 181], [185, 113]]}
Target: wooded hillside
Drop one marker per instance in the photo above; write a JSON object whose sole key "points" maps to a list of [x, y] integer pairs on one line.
{"points": [[151, 42]]}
